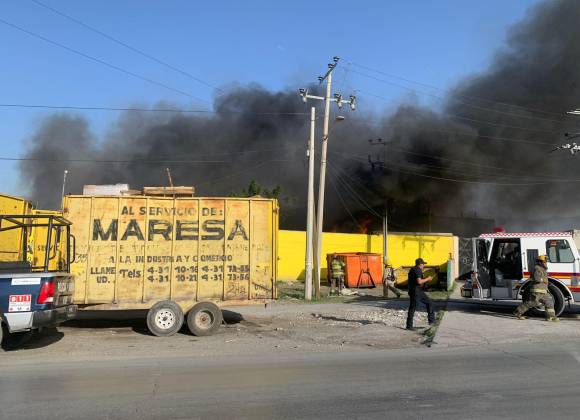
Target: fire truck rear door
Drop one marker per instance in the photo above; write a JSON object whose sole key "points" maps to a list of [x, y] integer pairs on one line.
{"points": [[481, 263]]}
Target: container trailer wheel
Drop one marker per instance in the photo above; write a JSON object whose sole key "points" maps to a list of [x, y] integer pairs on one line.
{"points": [[164, 318], [204, 319]]}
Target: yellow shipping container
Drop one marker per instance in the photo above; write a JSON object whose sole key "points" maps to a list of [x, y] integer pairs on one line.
{"points": [[134, 251], [10, 245]]}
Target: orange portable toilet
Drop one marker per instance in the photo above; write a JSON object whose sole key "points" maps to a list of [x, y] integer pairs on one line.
{"points": [[361, 269]]}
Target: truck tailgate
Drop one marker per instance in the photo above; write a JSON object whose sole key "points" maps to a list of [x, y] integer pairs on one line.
{"points": [[64, 291]]}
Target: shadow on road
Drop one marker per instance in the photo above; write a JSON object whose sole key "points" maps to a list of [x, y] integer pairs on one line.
{"points": [[134, 319], [350, 321], [31, 340], [502, 309]]}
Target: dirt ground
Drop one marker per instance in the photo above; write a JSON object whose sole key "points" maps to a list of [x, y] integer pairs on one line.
{"points": [[472, 323], [288, 325], [344, 323]]}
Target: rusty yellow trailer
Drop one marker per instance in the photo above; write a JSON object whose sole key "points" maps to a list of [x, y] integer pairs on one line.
{"points": [[173, 256], [11, 244]]}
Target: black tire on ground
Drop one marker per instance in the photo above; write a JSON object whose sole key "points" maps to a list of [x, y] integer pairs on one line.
{"points": [[204, 319], [164, 318], [559, 301]]}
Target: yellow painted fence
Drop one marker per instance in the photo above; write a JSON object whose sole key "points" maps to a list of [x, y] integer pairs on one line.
{"points": [[403, 249]]}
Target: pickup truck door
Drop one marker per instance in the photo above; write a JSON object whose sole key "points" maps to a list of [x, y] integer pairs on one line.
{"points": [[481, 263]]}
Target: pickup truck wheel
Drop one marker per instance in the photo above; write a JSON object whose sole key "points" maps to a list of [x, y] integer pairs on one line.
{"points": [[559, 301], [165, 318], [204, 319]]}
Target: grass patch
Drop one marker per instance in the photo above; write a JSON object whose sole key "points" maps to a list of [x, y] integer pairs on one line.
{"points": [[290, 290], [441, 294], [294, 292]]}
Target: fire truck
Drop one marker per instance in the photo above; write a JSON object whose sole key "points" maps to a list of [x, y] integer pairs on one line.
{"points": [[503, 263]]}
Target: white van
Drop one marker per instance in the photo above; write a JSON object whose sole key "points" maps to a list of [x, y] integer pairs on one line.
{"points": [[503, 262]]}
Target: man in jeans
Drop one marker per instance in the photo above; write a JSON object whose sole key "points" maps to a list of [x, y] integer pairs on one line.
{"points": [[416, 294]]}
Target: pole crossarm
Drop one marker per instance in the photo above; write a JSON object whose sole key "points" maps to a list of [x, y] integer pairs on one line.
{"points": [[318, 224]]}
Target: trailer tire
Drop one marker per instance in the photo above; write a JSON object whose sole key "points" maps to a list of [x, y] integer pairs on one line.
{"points": [[204, 319], [559, 301], [164, 318]]}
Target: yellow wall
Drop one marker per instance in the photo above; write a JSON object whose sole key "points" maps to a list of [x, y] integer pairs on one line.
{"points": [[403, 249]]}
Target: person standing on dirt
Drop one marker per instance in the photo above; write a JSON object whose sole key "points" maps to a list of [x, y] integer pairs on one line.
{"points": [[337, 274], [389, 280], [539, 294], [417, 294]]}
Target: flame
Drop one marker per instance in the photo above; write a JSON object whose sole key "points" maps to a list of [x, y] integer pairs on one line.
{"points": [[365, 224]]}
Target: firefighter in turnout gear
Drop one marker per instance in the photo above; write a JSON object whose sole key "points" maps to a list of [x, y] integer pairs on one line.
{"points": [[336, 275], [389, 279], [539, 294]]}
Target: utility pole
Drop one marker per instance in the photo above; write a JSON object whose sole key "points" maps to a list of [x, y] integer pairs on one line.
{"points": [[325, 131], [63, 187], [310, 210], [385, 232], [168, 171], [380, 162]]}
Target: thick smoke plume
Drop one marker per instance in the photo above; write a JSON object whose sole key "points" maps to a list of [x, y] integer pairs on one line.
{"points": [[484, 153]]}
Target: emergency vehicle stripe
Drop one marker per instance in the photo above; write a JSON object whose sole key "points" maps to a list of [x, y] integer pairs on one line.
{"points": [[555, 274], [526, 235]]}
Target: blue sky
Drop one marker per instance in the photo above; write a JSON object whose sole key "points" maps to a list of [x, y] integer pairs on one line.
{"points": [[281, 45]]}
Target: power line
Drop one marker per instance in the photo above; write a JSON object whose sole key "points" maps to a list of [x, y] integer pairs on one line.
{"points": [[344, 203], [154, 161], [359, 183], [463, 181], [528, 109], [107, 161], [469, 163], [461, 117], [457, 161], [352, 191], [124, 44], [406, 169], [438, 97], [243, 152], [168, 110], [482, 136], [475, 134], [98, 60], [460, 172], [245, 170]]}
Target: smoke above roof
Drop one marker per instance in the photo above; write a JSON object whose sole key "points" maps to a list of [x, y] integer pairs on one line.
{"points": [[484, 153]]}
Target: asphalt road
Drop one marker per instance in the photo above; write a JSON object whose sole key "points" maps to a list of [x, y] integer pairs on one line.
{"points": [[514, 381]]}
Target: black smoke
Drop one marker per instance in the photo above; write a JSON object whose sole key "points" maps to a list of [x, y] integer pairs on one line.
{"points": [[483, 153]]}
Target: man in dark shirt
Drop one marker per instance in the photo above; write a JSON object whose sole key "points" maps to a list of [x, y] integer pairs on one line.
{"points": [[416, 293]]}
